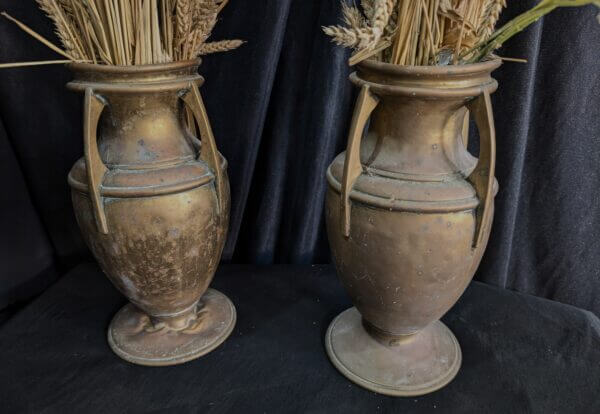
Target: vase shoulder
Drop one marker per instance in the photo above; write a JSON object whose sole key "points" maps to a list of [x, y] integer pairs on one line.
{"points": [[406, 192], [147, 182]]}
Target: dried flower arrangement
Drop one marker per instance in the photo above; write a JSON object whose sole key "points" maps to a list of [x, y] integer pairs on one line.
{"points": [[135, 32], [432, 32]]}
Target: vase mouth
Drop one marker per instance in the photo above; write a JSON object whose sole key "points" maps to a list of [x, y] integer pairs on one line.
{"points": [[134, 78], [450, 81], [437, 70], [150, 68]]}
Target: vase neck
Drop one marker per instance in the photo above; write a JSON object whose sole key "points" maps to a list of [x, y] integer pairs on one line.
{"points": [[143, 130], [141, 126], [417, 137]]}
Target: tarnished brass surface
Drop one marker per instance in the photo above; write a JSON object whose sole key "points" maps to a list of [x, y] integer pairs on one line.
{"points": [[409, 213], [188, 337], [398, 367], [152, 202]]}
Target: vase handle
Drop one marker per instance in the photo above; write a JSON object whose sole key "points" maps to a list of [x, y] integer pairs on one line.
{"points": [[92, 109], [365, 105], [483, 176], [208, 153]]}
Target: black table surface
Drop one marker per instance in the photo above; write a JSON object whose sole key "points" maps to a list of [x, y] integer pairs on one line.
{"points": [[520, 353]]}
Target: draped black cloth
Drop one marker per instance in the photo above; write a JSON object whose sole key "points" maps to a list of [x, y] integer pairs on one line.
{"points": [[521, 354], [280, 108]]}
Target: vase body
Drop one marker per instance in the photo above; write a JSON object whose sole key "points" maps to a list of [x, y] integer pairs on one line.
{"points": [[152, 202], [409, 228]]}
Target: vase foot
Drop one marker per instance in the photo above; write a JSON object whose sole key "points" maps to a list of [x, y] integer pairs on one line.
{"points": [[134, 338], [420, 364]]}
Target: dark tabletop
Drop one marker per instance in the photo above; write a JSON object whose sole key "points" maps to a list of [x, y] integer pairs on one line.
{"points": [[521, 354]]}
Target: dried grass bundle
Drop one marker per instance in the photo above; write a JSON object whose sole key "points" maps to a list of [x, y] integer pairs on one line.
{"points": [[431, 32], [133, 32], [420, 32]]}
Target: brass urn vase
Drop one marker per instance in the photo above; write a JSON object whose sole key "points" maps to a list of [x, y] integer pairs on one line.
{"points": [[409, 212], [152, 202]]}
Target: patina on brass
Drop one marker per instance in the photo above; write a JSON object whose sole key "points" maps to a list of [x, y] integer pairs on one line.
{"points": [[409, 213], [152, 201]]}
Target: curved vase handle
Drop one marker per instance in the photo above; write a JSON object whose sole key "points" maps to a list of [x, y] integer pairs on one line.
{"points": [[365, 105], [92, 109], [482, 177], [209, 152]]}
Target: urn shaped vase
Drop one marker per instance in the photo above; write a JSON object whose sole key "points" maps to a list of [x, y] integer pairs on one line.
{"points": [[409, 212], [152, 202]]}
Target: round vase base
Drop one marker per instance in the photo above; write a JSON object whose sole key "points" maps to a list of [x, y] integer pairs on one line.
{"points": [[420, 364], [135, 338]]}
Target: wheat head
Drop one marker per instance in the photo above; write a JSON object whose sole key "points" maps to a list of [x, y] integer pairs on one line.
{"points": [[490, 15], [221, 46]]}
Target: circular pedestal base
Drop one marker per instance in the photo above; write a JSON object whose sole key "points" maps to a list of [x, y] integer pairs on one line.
{"points": [[422, 363], [134, 338]]}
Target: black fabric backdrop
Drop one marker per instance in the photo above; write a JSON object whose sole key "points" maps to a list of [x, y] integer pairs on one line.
{"points": [[280, 108]]}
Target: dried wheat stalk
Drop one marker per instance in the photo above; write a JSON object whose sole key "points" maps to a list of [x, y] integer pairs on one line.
{"points": [[490, 15], [432, 32], [64, 26], [421, 32], [222, 46], [363, 32], [133, 32]]}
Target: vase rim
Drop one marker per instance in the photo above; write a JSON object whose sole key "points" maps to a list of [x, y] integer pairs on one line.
{"points": [[133, 69], [164, 77], [451, 70], [427, 82]]}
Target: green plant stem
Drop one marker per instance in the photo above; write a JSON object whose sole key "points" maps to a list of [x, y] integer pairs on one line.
{"points": [[519, 23]]}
